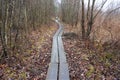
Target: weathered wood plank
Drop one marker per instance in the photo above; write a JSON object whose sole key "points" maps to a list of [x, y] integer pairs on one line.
{"points": [[62, 56], [58, 58], [52, 72], [64, 72], [63, 66], [57, 33], [54, 54]]}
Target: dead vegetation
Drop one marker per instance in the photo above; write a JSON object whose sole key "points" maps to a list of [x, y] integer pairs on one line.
{"points": [[33, 63], [93, 60], [91, 38]]}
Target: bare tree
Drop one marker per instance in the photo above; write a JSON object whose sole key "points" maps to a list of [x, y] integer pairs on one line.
{"points": [[16, 18], [83, 20]]}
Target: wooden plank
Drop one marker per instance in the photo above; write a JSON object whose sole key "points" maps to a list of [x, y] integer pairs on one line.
{"points": [[54, 55], [61, 32], [58, 58], [62, 56], [52, 72], [64, 72], [63, 66], [57, 33]]}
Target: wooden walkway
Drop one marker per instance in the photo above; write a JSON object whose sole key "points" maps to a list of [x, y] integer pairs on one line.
{"points": [[58, 67]]}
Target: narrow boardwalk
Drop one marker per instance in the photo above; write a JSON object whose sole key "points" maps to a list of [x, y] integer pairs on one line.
{"points": [[58, 67]]}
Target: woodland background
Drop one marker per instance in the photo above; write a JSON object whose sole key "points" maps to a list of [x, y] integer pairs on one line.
{"points": [[27, 27]]}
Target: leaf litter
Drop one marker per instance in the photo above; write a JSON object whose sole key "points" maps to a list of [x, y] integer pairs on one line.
{"points": [[33, 63]]}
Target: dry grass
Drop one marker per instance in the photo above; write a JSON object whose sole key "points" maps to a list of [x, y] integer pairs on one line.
{"points": [[98, 61], [32, 64]]}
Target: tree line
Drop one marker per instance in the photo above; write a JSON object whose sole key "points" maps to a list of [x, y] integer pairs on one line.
{"points": [[18, 18], [87, 13]]}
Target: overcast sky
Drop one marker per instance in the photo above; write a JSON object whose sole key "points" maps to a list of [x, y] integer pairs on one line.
{"points": [[59, 1], [99, 2]]}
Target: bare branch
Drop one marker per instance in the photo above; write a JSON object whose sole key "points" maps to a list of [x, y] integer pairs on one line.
{"points": [[100, 9]]}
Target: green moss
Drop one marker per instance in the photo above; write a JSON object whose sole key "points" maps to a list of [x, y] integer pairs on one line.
{"points": [[23, 76], [90, 71], [109, 56], [107, 64]]}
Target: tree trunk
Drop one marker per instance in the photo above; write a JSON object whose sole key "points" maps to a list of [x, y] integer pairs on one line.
{"points": [[83, 20], [90, 22]]}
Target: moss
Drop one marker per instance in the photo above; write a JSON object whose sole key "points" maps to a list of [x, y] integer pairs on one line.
{"points": [[90, 70], [23, 76]]}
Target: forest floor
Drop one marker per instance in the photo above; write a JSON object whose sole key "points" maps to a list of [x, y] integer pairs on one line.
{"points": [[85, 63], [34, 62], [92, 62]]}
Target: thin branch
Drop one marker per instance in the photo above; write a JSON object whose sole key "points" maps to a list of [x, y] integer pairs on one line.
{"points": [[100, 9], [111, 12]]}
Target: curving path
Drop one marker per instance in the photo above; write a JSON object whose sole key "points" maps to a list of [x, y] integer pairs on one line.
{"points": [[58, 67]]}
